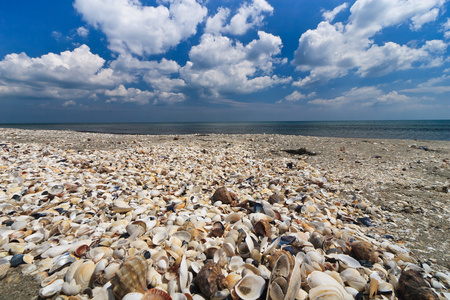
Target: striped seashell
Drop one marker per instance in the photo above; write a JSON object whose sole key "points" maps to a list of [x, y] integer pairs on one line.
{"points": [[131, 277]]}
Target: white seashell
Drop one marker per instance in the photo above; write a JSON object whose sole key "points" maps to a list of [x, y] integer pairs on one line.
{"points": [[36, 237], [250, 287], [385, 287], [319, 282], [183, 236], [71, 288], [235, 263], [178, 296], [160, 236], [327, 292], [84, 273], [111, 270], [56, 251], [52, 289], [100, 267], [183, 274], [348, 261], [153, 277], [71, 270], [353, 279], [133, 296]]}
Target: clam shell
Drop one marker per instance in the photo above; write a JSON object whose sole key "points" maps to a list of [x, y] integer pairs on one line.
{"points": [[160, 236], [51, 289], [71, 288], [354, 279], [84, 273], [250, 287]]}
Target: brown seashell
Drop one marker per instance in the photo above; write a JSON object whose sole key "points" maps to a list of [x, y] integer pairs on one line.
{"points": [[217, 229], [156, 294], [274, 198], [364, 251], [316, 239], [411, 285], [209, 252], [210, 279], [223, 195], [81, 250], [272, 259], [189, 227], [262, 228], [131, 277]]}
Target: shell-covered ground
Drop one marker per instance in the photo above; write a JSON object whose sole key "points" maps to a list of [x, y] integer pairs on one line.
{"points": [[222, 216]]}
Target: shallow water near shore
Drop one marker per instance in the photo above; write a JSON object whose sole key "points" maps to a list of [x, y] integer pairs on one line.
{"points": [[418, 129]]}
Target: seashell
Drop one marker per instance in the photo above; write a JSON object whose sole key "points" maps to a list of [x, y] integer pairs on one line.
{"points": [[295, 282], [323, 285], [133, 296], [348, 261], [36, 237], [250, 287], [411, 285], [156, 294], [183, 274], [190, 228], [120, 206], [354, 279], [232, 279], [4, 267], [385, 287], [81, 250], [71, 288], [136, 229], [233, 217], [364, 251], [183, 236], [72, 269], [274, 198], [277, 291], [281, 267], [262, 228], [217, 229], [84, 273], [210, 279], [51, 289], [220, 257], [223, 195], [62, 261], [56, 189], [131, 277], [160, 236], [111, 271], [19, 259], [56, 251], [162, 264], [327, 292], [316, 239]]}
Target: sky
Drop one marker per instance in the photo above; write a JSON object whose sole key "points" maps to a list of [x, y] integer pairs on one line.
{"points": [[205, 60]]}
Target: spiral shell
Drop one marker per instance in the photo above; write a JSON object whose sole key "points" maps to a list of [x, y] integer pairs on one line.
{"points": [[131, 277]]}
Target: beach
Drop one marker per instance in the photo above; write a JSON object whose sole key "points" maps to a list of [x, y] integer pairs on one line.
{"points": [[400, 187]]}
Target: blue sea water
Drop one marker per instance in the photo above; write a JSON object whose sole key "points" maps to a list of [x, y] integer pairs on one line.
{"points": [[420, 130]]}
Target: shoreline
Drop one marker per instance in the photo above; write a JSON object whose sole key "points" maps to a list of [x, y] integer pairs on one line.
{"points": [[401, 185]]}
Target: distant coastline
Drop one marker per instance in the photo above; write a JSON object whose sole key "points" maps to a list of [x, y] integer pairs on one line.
{"points": [[408, 129]]}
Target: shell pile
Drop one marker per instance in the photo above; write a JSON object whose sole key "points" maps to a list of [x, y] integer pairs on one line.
{"points": [[186, 223]]}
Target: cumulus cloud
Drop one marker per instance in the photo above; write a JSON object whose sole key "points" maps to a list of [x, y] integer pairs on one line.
{"points": [[132, 27], [74, 73], [329, 15], [69, 103], [296, 96], [364, 96], [438, 85], [248, 16], [123, 94], [220, 65], [446, 28], [333, 50]]}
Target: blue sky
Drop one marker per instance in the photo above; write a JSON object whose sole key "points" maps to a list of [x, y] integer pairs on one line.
{"points": [[187, 60]]}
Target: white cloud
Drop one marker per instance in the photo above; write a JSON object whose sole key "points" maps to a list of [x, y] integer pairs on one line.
{"points": [[68, 103], [329, 15], [123, 94], [218, 65], [437, 85], [248, 16], [71, 74], [364, 96], [82, 31], [446, 27], [296, 96], [142, 30], [333, 50]]}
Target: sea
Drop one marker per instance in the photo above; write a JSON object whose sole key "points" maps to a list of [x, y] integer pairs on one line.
{"points": [[413, 129]]}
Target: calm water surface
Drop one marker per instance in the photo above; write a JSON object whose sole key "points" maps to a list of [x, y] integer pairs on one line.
{"points": [[422, 130]]}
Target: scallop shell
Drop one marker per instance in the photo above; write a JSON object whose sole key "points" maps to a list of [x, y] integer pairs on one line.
{"points": [[156, 294], [131, 277], [250, 287]]}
